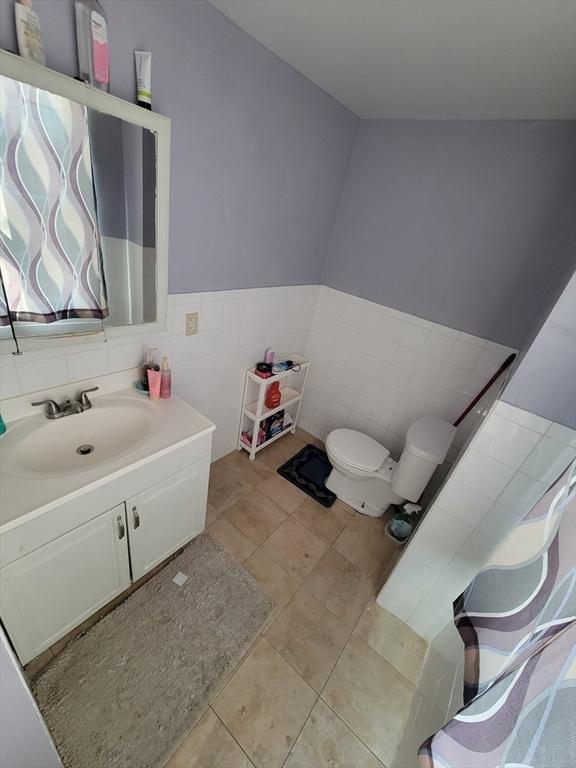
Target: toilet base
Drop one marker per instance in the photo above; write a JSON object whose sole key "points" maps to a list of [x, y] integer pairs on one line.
{"points": [[371, 496]]}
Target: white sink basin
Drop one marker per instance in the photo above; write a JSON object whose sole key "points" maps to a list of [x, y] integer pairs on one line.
{"points": [[53, 447]]}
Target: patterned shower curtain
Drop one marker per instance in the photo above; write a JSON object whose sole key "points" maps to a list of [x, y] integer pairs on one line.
{"points": [[518, 622], [50, 259]]}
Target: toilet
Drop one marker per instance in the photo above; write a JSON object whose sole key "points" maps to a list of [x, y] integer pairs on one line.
{"points": [[365, 477]]}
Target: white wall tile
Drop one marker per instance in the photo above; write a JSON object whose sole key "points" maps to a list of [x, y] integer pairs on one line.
{"points": [[42, 374], [498, 522], [562, 434], [464, 502], [482, 473], [9, 382], [521, 417], [548, 460], [464, 355], [414, 337], [88, 364], [477, 548], [506, 441], [521, 493]]}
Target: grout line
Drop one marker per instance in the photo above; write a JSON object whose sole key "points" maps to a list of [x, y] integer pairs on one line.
{"points": [[352, 731], [229, 732]]}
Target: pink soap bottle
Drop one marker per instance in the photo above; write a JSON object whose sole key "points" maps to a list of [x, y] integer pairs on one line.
{"points": [[165, 380]]}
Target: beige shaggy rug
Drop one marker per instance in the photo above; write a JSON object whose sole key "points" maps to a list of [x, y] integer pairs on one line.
{"points": [[126, 693]]}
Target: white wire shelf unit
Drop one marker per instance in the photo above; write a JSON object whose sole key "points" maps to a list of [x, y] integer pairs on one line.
{"points": [[254, 410]]}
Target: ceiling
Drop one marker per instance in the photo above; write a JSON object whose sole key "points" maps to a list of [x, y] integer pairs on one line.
{"points": [[426, 58]]}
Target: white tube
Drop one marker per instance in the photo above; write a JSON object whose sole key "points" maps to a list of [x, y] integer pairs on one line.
{"points": [[144, 78]]}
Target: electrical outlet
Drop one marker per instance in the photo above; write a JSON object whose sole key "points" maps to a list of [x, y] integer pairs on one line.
{"points": [[191, 323]]}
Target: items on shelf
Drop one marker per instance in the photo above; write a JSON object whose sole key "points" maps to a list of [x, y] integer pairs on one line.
{"points": [[29, 33], [92, 41], [264, 370], [273, 395], [143, 61]]}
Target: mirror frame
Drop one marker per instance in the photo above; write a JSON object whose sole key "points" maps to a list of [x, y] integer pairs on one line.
{"points": [[18, 68]]}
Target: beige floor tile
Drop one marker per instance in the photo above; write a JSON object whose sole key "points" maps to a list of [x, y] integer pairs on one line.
{"points": [[371, 697], [365, 544], [282, 492], [294, 549], [227, 485], [326, 522], [341, 586], [327, 742], [256, 516], [309, 637], [282, 450], [393, 640], [275, 581], [209, 745], [212, 514], [265, 705], [231, 539], [306, 438], [253, 471]]}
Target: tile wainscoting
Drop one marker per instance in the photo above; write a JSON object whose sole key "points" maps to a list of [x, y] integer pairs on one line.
{"points": [[374, 368], [235, 327], [377, 369], [510, 462]]}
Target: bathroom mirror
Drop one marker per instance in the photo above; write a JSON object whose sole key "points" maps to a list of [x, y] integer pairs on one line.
{"points": [[83, 209]]}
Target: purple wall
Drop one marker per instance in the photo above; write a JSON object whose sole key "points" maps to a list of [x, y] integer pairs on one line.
{"points": [[259, 153], [545, 380], [467, 223]]}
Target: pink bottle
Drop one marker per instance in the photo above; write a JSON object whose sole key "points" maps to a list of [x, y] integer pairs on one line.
{"points": [[165, 379]]}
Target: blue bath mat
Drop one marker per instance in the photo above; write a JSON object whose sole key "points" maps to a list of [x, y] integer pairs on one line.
{"points": [[308, 470]]}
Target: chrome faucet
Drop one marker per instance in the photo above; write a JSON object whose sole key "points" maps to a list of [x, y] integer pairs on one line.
{"points": [[68, 407]]}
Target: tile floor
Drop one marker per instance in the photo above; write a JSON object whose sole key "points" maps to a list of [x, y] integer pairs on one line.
{"points": [[329, 681]]}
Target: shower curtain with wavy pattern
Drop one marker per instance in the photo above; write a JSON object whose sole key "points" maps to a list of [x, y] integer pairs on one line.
{"points": [[518, 622], [50, 258]]}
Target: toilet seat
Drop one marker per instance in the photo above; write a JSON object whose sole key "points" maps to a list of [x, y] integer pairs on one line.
{"points": [[356, 450]]}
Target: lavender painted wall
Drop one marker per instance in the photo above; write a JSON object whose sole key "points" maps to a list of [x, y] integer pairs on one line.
{"points": [[259, 153], [470, 224], [545, 380]]}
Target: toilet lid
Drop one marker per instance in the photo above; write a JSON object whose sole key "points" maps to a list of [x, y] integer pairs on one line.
{"points": [[357, 449]]}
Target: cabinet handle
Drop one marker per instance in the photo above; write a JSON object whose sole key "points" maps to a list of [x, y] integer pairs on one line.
{"points": [[121, 529], [136, 518]]}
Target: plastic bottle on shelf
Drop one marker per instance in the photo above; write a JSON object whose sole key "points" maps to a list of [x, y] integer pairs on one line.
{"points": [[273, 395]]}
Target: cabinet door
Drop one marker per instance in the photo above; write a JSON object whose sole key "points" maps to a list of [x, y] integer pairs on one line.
{"points": [[48, 592], [165, 517]]}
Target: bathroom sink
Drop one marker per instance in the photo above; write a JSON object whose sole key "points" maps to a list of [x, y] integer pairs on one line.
{"points": [[112, 427]]}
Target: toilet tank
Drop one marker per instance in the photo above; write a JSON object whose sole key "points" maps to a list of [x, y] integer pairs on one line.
{"points": [[427, 442]]}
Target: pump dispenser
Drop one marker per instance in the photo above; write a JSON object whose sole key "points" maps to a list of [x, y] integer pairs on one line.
{"points": [[165, 380]]}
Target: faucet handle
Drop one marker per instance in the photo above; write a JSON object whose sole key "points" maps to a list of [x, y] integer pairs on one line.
{"points": [[83, 398], [52, 407]]}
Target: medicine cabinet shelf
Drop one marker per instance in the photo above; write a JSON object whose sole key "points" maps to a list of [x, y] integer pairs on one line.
{"points": [[254, 410]]}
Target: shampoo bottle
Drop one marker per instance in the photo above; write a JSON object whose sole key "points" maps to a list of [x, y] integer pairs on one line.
{"points": [[92, 40], [165, 379], [28, 33]]}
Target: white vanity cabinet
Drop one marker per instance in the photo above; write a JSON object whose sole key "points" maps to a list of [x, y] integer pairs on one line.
{"points": [[56, 587], [60, 568], [163, 518]]}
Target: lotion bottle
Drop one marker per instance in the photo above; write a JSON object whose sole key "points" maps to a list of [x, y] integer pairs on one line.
{"points": [[165, 379], [28, 33], [92, 40]]}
